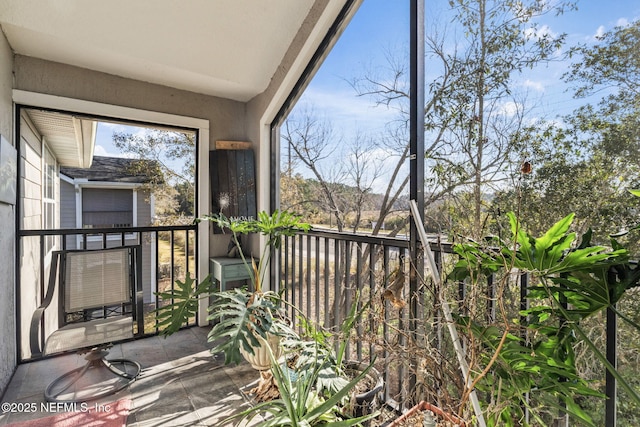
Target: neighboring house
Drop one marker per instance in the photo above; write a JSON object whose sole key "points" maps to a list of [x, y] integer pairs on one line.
{"points": [[110, 194]]}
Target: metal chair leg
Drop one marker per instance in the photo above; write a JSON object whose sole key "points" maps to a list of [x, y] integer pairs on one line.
{"points": [[67, 388]]}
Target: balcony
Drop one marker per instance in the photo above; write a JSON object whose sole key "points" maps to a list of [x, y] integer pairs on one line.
{"points": [[321, 273]]}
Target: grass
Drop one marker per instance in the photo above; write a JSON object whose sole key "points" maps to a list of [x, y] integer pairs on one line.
{"points": [[164, 280]]}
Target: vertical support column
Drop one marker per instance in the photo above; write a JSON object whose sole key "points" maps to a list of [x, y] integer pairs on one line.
{"points": [[563, 417], [524, 305], [610, 412], [416, 164]]}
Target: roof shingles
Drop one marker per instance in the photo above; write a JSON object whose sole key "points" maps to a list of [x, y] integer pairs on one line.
{"points": [[115, 169]]}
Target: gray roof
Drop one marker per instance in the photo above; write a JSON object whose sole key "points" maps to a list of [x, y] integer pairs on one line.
{"points": [[116, 169]]}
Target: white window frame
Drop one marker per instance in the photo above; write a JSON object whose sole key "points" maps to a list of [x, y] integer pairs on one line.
{"points": [[49, 193]]}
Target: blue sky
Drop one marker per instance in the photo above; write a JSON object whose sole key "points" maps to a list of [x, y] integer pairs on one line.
{"points": [[380, 28]]}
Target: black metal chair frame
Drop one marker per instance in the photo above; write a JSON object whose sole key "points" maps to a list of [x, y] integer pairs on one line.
{"points": [[77, 320]]}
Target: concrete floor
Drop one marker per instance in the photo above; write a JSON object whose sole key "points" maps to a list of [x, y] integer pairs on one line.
{"points": [[181, 383]]}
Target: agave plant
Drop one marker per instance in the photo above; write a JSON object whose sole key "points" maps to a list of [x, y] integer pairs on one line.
{"points": [[301, 404]]}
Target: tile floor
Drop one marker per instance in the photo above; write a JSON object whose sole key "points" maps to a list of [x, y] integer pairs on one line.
{"points": [[181, 383]]}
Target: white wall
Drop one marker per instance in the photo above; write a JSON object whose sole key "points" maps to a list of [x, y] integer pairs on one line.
{"points": [[7, 234]]}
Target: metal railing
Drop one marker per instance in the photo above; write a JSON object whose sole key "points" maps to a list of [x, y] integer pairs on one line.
{"points": [[321, 273], [168, 254]]}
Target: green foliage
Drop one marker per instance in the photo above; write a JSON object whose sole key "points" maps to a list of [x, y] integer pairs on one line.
{"points": [[541, 371], [185, 194], [598, 147], [320, 349], [239, 317], [162, 147], [301, 405], [550, 254], [571, 281], [182, 303], [160, 151]]}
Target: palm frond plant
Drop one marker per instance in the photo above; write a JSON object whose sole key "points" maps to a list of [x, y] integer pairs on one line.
{"points": [[245, 317]]}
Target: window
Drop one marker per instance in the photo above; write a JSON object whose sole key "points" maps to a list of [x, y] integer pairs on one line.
{"points": [[106, 208], [49, 197]]}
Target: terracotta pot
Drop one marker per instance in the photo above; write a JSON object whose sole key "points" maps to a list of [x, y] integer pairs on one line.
{"points": [[260, 360], [425, 406]]}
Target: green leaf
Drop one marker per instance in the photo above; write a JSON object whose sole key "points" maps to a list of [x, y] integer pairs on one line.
{"points": [[549, 247], [183, 304], [239, 317]]}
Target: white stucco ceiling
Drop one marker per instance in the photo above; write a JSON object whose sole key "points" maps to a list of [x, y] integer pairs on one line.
{"points": [[227, 48]]}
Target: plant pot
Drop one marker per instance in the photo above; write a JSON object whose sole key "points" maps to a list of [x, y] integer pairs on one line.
{"points": [[441, 415], [365, 401], [260, 360]]}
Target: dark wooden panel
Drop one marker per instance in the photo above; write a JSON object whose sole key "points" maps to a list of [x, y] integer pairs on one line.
{"points": [[233, 183]]}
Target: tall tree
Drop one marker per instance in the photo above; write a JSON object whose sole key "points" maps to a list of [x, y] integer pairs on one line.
{"points": [[588, 164], [473, 115], [344, 173], [611, 68], [173, 152], [481, 117]]}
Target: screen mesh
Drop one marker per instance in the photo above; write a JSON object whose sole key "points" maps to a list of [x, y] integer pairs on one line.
{"points": [[96, 279]]}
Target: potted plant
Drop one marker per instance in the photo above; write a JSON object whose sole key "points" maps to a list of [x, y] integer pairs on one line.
{"points": [[318, 348], [301, 404], [250, 324], [317, 386], [425, 414], [246, 320]]}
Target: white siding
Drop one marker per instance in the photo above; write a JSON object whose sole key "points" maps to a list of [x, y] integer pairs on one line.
{"points": [[31, 209]]}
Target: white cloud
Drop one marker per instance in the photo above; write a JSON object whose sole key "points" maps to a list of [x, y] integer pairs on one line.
{"points": [[347, 111], [599, 32], [537, 86], [622, 22], [510, 108], [101, 150], [539, 33]]}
